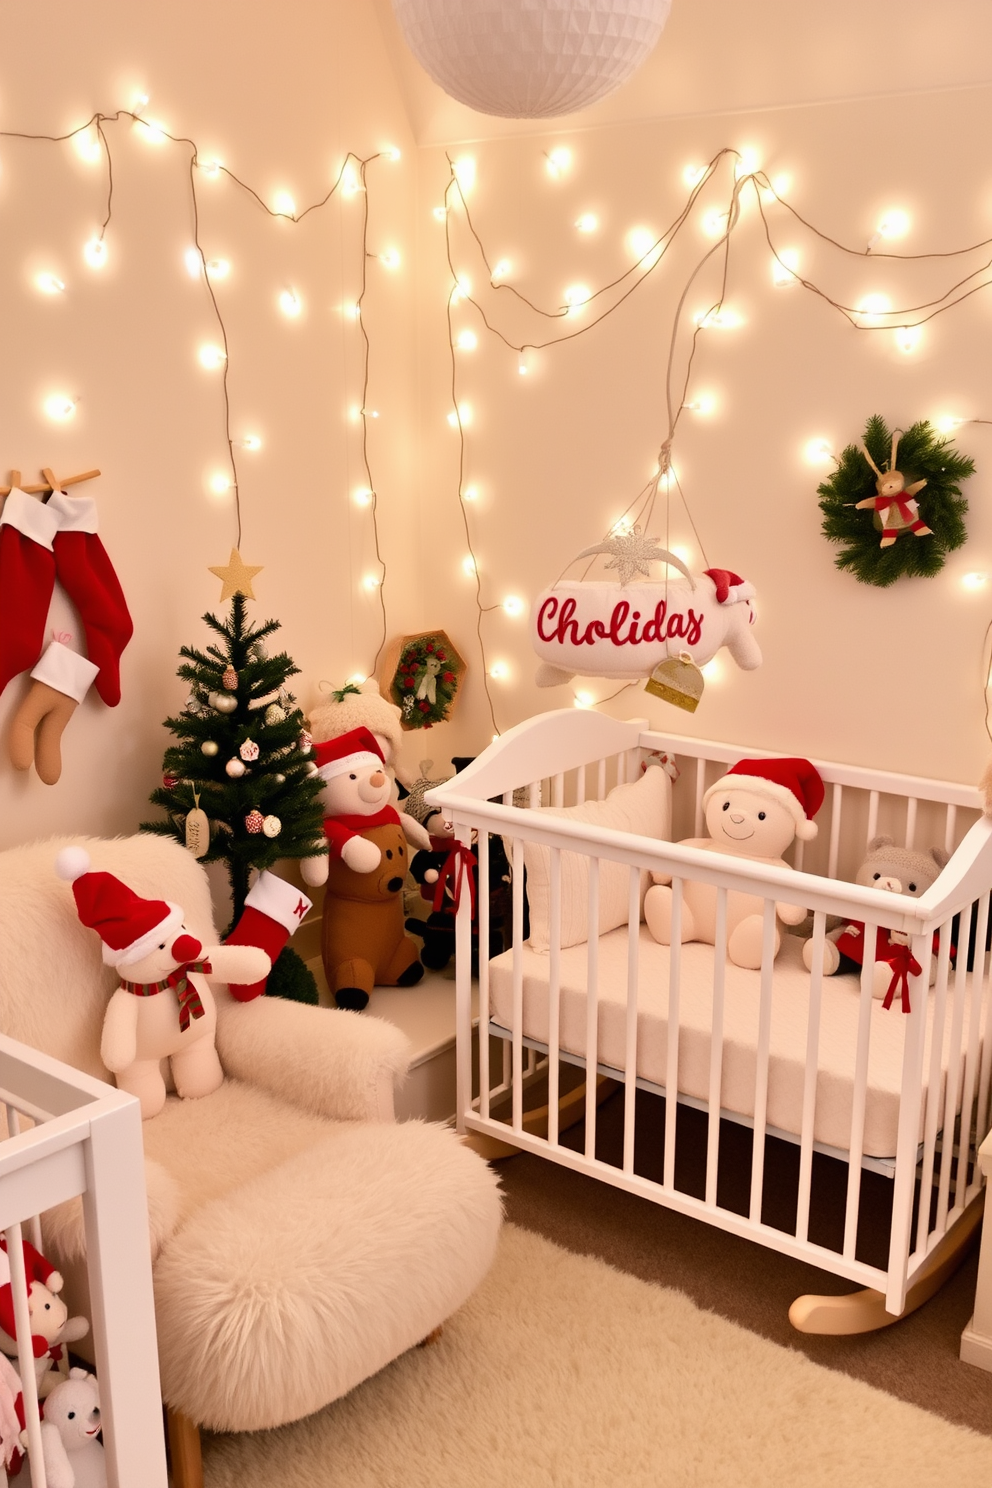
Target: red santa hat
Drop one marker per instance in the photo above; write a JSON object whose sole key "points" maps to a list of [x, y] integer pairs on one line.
{"points": [[793, 783], [129, 926], [730, 587], [357, 750], [36, 1268]]}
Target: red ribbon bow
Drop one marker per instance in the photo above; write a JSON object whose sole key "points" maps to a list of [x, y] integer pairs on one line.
{"points": [[458, 865], [901, 500], [904, 964], [190, 1002]]}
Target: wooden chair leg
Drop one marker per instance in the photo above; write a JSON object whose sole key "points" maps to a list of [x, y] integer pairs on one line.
{"points": [[185, 1454]]}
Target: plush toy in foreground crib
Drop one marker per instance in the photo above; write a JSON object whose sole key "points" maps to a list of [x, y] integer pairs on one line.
{"points": [[363, 943], [51, 1325], [902, 871], [754, 811], [163, 1008], [73, 1456]]}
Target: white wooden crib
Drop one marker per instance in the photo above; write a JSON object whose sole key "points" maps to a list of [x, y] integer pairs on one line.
{"points": [[799, 1058]]}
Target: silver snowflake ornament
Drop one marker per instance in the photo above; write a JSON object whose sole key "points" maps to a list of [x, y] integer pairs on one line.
{"points": [[632, 552]]}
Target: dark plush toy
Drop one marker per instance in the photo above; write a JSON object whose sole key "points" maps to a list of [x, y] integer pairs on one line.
{"points": [[903, 871]]}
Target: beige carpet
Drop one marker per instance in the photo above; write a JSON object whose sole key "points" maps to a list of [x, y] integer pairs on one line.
{"points": [[564, 1373]]}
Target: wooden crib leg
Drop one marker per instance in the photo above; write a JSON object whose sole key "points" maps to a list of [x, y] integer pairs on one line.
{"points": [[864, 1311], [184, 1450]]}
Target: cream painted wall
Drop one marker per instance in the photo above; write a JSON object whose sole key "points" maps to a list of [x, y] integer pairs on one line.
{"points": [[279, 93], [851, 673]]}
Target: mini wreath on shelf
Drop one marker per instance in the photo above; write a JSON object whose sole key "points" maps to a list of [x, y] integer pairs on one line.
{"points": [[425, 678], [895, 519]]}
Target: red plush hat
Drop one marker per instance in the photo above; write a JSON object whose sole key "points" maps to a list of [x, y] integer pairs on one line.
{"points": [[129, 926], [36, 1268], [730, 587], [357, 750], [793, 783]]}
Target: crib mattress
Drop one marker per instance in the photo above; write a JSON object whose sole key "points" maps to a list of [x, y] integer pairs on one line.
{"points": [[787, 1052]]}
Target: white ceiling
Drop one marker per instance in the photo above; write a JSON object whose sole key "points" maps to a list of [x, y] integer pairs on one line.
{"points": [[723, 56]]}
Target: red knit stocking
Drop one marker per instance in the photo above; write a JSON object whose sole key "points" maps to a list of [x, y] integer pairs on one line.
{"points": [[273, 910], [88, 577], [27, 578]]}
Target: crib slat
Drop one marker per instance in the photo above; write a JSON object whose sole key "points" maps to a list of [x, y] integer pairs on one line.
{"points": [[911, 804], [904, 1182], [25, 1357], [482, 854], [621, 769], [950, 822], [534, 794], [859, 1094], [836, 809], [697, 830], [580, 785], [558, 790], [672, 1034], [716, 1046], [810, 1076], [554, 996], [761, 1059], [953, 1073], [592, 1007], [933, 1107], [630, 1051], [872, 815], [985, 1079], [601, 780], [971, 1061], [518, 984]]}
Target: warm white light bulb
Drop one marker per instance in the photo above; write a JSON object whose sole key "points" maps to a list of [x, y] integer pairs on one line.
{"points": [[470, 493], [357, 678], [151, 131], [893, 224], [363, 496], [86, 143], [693, 174], [220, 482], [60, 406], [218, 268], [463, 416], [211, 356], [719, 318], [703, 403], [780, 184], [467, 341], [587, 223], [714, 223], [49, 284], [908, 338], [559, 161], [625, 525], [391, 152], [584, 700], [785, 267], [251, 442], [95, 253], [464, 172], [194, 262], [948, 422], [390, 259], [439, 214], [640, 241], [502, 268], [872, 306], [513, 605], [371, 581], [818, 452], [682, 552], [577, 295], [290, 303], [468, 566], [712, 670], [522, 368], [210, 168], [353, 312], [499, 671], [748, 162], [975, 580], [283, 204]]}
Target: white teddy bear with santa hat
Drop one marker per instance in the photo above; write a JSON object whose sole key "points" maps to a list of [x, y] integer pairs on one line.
{"points": [[163, 1007], [754, 811]]}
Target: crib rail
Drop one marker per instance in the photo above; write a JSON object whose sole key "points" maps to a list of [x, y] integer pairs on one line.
{"points": [[904, 1103], [85, 1141]]}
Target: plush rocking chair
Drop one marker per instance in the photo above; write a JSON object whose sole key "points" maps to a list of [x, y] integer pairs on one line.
{"points": [[301, 1239]]}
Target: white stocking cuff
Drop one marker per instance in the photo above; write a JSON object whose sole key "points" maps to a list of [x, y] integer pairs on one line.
{"points": [[73, 513], [66, 671], [39, 523], [274, 897]]}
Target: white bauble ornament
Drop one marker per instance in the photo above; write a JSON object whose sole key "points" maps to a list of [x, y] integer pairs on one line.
{"points": [[235, 768], [249, 751], [279, 779], [275, 714], [272, 826], [209, 747], [222, 702], [530, 59], [197, 832]]}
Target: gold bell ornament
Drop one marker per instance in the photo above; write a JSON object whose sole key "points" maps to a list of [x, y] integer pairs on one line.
{"points": [[677, 680]]}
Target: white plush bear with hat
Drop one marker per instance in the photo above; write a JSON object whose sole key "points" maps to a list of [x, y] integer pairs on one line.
{"points": [[754, 811], [163, 1008]]}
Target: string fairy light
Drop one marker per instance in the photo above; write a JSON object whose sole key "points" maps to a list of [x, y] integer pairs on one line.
{"points": [[92, 143]]}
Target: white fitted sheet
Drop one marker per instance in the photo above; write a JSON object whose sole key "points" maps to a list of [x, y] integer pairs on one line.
{"points": [[787, 1053]]}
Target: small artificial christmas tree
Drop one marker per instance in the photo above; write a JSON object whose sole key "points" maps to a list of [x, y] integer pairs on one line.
{"points": [[238, 786]]}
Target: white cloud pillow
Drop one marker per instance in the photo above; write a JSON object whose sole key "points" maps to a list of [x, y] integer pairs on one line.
{"points": [[645, 807]]}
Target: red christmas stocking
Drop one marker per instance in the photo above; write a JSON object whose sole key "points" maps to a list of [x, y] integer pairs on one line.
{"points": [[88, 577], [273, 910], [27, 578]]}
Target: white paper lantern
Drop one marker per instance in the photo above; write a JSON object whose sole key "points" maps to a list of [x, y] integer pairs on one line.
{"points": [[530, 59]]}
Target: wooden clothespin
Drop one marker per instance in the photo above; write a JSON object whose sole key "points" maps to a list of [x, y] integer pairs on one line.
{"points": [[49, 483]]}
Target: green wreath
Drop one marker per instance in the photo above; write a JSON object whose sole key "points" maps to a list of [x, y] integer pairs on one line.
{"points": [[425, 682], [923, 455]]}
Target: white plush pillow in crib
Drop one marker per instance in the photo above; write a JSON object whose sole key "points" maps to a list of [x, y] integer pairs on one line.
{"points": [[645, 807]]}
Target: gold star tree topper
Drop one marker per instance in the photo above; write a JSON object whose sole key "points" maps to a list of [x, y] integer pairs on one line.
{"points": [[236, 576]]}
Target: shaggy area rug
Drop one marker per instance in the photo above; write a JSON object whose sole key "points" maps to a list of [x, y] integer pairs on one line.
{"points": [[564, 1373]]}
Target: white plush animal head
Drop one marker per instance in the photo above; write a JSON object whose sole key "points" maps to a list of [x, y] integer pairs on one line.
{"points": [[747, 822], [73, 1408], [900, 869], [48, 1312], [175, 949], [361, 791]]}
